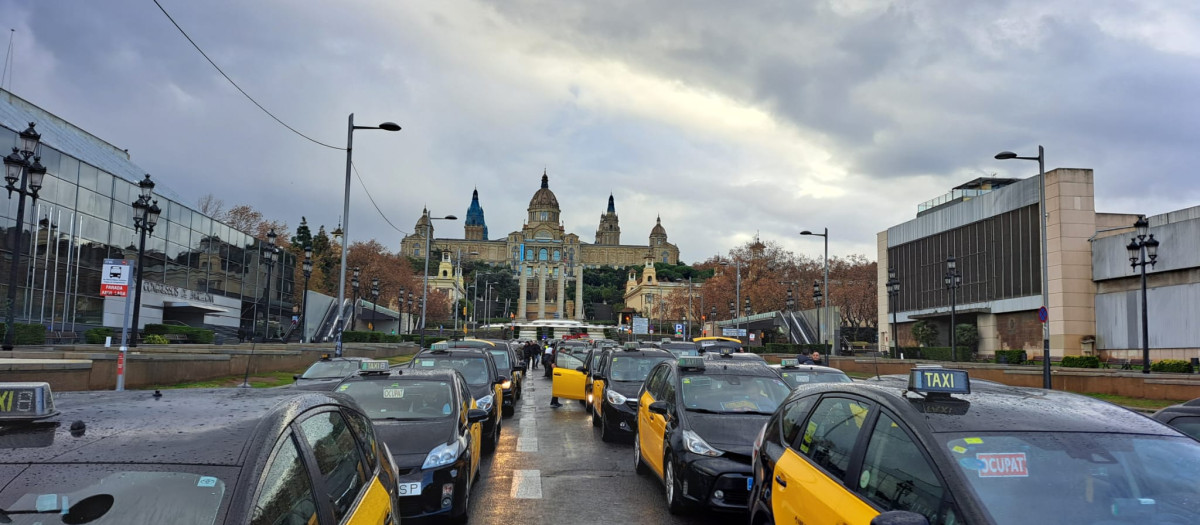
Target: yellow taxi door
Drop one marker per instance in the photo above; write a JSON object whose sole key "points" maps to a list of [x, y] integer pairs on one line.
{"points": [[651, 428], [374, 508], [567, 382], [597, 395]]}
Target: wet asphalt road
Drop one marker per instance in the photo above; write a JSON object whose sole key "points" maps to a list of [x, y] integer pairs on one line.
{"points": [[551, 467]]}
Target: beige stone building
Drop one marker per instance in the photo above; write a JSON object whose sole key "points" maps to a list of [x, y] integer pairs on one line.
{"points": [[542, 253]]}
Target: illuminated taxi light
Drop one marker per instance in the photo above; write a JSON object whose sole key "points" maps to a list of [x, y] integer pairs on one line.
{"points": [[506, 385], [694, 362], [372, 365], [325, 357], [939, 381], [26, 401], [789, 363]]}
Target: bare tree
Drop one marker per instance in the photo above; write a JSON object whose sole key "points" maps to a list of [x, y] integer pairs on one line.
{"points": [[211, 206]]}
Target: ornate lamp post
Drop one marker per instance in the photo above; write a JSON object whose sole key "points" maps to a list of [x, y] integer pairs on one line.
{"points": [[354, 295], [893, 291], [712, 317], [30, 174], [374, 299], [400, 308], [269, 255], [412, 310], [825, 314], [817, 295], [145, 217], [952, 280], [308, 267], [1143, 250]]}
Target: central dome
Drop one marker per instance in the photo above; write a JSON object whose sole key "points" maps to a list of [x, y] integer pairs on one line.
{"points": [[544, 198]]}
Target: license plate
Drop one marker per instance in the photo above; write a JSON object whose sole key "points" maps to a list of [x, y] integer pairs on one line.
{"points": [[410, 489], [749, 483]]}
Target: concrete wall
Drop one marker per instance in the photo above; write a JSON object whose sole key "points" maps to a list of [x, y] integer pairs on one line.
{"points": [[1070, 223]]}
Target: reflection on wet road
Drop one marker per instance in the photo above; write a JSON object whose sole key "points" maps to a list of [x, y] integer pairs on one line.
{"points": [[552, 467]]}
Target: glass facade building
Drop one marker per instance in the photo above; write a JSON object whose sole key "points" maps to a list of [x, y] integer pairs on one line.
{"points": [[197, 270]]}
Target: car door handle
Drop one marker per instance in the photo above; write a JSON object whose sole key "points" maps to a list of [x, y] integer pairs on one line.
{"points": [[558, 374], [779, 479]]}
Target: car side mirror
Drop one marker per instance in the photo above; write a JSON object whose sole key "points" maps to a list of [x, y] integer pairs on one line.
{"points": [[899, 517], [295, 377], [520, 368], [580, 369], [658, 407], [476, 415], [598, 377]]}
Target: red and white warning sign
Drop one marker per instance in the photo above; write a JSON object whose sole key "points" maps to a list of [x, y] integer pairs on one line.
{"points": [[1003, 465]]}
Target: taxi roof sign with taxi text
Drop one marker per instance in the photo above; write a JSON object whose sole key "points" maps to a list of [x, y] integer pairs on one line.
{"points": [[939, 381]]}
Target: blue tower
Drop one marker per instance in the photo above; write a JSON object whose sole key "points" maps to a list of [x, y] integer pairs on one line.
{"points": [[475, 228]]}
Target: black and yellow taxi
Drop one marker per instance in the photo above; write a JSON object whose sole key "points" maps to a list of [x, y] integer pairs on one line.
{"points": [[483, 380], [570, 373], [428, 419], [326, 372], [236, 456], [796, 374], [936, 448], [715, 340], [681, 348], [696, 422], [512, 366], [617, 377]]}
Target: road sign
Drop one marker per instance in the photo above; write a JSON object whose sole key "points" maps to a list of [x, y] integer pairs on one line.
{"points": [[116, 277], [641, 325], [1043, 314], [733, 332]]}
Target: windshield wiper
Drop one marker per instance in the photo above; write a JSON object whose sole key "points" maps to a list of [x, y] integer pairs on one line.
{"points": [[703, 410]]}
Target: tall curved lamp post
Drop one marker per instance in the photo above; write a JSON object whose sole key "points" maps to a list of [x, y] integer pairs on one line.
{"points": [[308, 267], [30, 174], [145, 217], [1041, 160]]}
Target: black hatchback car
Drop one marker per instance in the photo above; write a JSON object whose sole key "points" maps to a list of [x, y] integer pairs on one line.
{"points": [[1185, 417], [696, 424], [210, 456], [617, 377], [428, 420], [483, 379], [327, 372]]}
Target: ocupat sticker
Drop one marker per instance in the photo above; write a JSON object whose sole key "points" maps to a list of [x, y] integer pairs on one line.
{"points": [[1003, 465]]}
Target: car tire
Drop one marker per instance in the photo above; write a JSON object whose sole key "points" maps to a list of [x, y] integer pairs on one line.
{"points": [[674, 499], [639, 466], [606, 435], [596, 421], [490, 445]]}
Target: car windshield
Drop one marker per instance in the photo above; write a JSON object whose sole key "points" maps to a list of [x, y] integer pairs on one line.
{"points": [[473, 369], [729, 393], [1080, 478], [101, 494], [330, 369], [800, 377], [632, 368], [405, 399], [501, 358], [681, 350]]}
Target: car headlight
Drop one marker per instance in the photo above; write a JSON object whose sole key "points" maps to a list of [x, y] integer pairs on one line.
{"points": [[696, 445], [485, 402], [615, 397], [442, 455], [506, 385]]}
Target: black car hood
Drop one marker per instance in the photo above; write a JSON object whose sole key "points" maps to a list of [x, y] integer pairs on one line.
{"points": [[478, 391], [628, 389], [730, 432], [411, 441]]}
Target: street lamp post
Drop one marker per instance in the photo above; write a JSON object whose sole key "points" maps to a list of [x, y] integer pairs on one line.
{"points": [[1041, 160], [817, 304], [425, 276], [400, 309], [145, 217], [412, 310], [712, 317], [18, 167], [354, 296], [737, 295], [487, 302], [457, 276], [1143, 250], [952, 280], [374, 301], [269, 259], [893, 291], [308, 267], [826, 316]]}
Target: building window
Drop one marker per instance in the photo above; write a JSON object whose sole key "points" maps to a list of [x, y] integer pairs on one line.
{"points": [[543, 254], [665, 256], [545, 216], [557, 256]]}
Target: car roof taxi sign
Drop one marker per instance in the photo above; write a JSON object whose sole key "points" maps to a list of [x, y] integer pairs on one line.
{"points": [[691, 362], [789, 363], [939, 381], [374, 366], [26, 401]]}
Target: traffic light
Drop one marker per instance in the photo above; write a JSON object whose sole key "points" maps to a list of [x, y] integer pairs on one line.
{"points": [[627, 318]]}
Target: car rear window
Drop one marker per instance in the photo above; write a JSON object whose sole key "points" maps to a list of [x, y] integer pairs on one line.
{"points": [[330, 369], [403, 400], [473, 369]]}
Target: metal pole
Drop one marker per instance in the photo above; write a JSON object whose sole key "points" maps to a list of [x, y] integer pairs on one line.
{"points": [[341, 296], [137, 287], [953, 305], [425, 276], [828, 312], [895, 335], [1145, 315], [454, 304], [304, 311], [1041, 159], [11, 319], [267, 307], [737, 301]]}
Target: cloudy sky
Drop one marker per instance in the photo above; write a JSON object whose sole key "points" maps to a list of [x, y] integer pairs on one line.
{"points": [[725, 118]]}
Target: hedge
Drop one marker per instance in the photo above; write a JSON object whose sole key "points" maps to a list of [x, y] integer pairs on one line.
{"points": [[96, 336], [937, 353], [1171, 365], [789, 348], [25, 334], [1082, 361], [154, 339], [194, 335], [1012, 357]]}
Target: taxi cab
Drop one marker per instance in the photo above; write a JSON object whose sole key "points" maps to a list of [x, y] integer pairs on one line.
{"points": [[617, 377], [509, 364], [569, 378], [483, 380], [705, 342], [231, 456], [681, 348], [696, 423], [1184, 417], [938, 448], [428, 419], [326, 372], [796, 374]]}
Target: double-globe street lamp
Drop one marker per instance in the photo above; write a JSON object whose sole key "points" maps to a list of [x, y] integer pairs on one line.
{"points": [[341, 296], [308, 267], [825, 314], [17, 166], [270, 254], [1143, 250], [952, 280], [893, 291], [374, 302], [354, 296], [425, 276], [817, 295], [145, 217], [1041, 160]]}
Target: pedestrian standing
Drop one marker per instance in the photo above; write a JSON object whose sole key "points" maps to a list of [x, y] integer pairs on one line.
{"points": [[548, 360]]}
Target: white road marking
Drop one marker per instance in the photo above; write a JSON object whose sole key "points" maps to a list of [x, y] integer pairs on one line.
{"points": [[526, 484], [528, 441]]}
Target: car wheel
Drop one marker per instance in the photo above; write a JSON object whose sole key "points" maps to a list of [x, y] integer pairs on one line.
{"points": [[596, 417], [638, 465], [493, 441], [606, 435], [674, 499]]}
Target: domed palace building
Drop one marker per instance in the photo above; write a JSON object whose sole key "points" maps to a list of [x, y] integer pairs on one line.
{"points": [[542, 253]]}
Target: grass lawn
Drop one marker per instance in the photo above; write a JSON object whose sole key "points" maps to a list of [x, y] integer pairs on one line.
{"points": [[1133, 402], [400, 359], [263, 380]]}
